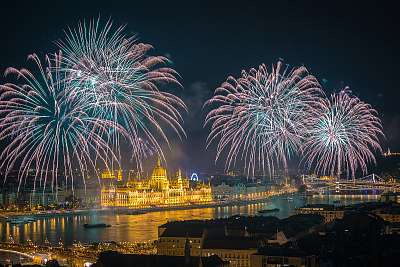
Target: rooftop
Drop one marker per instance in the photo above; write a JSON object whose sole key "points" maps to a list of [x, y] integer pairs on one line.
{"points": [[281, 251], [236, 225], [231, 242], [183, 231], [112, 259]]}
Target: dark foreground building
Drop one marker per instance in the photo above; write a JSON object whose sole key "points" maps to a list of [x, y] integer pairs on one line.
{"points": [[111, 259], [279, 256]]}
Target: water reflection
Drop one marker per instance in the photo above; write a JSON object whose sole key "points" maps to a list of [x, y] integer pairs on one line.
{"points": [[143, 227]]}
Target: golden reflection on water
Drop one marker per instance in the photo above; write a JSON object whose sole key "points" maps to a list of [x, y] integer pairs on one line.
{"points": [[143, 227]]}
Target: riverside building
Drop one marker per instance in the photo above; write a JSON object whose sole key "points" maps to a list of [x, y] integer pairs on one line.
{"points": [[157, 190]]}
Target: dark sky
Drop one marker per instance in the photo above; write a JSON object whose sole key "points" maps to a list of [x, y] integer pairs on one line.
{"points": [[354, 44]]}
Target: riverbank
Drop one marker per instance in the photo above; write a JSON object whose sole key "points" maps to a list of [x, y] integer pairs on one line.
{"points": [[70, 230], [213, 204], [136, 211]]}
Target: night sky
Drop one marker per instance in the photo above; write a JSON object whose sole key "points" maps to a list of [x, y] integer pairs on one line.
{"points": [[342, 44]]}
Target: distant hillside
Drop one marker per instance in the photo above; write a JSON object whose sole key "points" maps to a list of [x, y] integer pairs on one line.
{"points": [[388, 166]]}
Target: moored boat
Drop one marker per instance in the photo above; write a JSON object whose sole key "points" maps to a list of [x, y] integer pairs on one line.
{"points": [[16, 221], [20, 220], [29, 219], [268, 210], [96, 225]]}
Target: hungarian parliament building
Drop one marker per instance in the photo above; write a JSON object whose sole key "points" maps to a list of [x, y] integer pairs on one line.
{"points": [[157, 190]]}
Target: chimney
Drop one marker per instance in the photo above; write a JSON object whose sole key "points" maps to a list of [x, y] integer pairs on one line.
{"points": [[187, 251]]}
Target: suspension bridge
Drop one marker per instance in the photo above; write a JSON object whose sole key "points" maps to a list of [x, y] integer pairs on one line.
{"points": [[370, 184]]}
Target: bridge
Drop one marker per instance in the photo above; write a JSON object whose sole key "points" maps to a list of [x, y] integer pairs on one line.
{"points": [[12, 256], [370, 184]]}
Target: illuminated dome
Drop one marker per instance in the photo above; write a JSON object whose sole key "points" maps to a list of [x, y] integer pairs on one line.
{"points": [[159, 180], [159, 171]]}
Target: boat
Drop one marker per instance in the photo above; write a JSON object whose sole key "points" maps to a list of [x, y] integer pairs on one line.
{"points": [[20, 220], [5, 218], [16, 221], [268, 210], [29, 219], [137, 212], [96, 225]]}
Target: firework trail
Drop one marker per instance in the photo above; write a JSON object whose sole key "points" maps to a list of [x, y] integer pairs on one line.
{"points": [[144, 149], [116, 74], [260, 117], [343, 135], [48, 128]]}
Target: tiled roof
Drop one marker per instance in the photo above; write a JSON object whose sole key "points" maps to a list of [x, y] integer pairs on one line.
{"points": [[111, 259], [231, 242], [281, 251], [183, 231]]}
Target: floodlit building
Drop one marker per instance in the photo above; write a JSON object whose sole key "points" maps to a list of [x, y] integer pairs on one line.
{"points": [[157, 190], [112, 175], [239, 191], [172, 240], [233, 249], [205, 239]]}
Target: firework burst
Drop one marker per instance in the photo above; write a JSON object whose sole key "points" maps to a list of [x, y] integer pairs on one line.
{"points": [[50, 130], [259, 117], [342, 136], [116, 74]]}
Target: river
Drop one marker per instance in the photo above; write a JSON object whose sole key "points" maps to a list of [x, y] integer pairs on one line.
{"points": [[143, 227]]}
